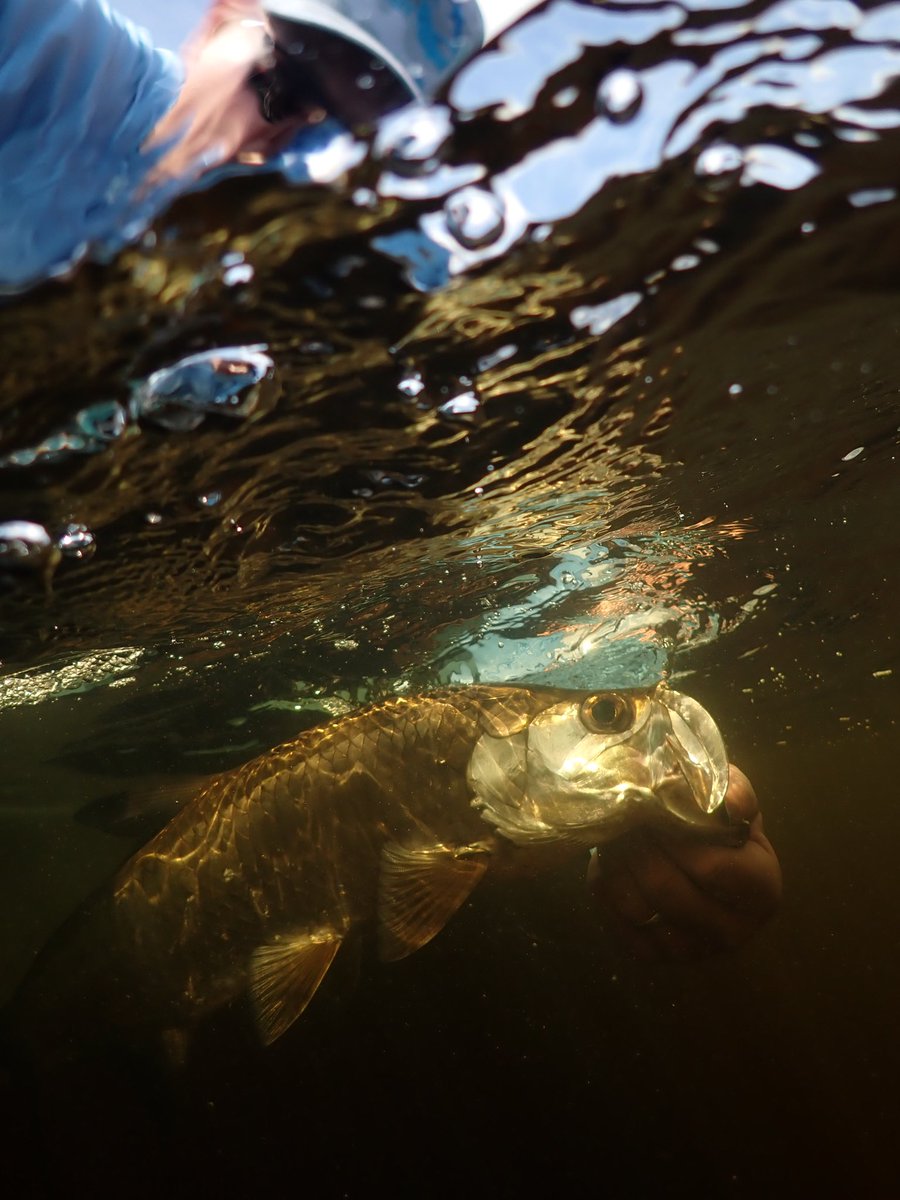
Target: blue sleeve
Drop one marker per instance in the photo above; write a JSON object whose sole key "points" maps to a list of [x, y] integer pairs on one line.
{"points": [[80, 90]]}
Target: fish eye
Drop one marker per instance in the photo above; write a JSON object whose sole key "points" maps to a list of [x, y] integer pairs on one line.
{"points": [[607, 714]]}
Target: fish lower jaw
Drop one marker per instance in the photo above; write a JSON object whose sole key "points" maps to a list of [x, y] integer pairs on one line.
{"points": [[524, 833], [513, 827]]}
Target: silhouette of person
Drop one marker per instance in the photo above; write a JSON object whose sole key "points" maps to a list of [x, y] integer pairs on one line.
{"points": [[99, 128]]}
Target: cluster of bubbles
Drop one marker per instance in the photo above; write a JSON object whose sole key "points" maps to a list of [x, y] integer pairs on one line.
{"points": [[226, 382], [29, 546]]}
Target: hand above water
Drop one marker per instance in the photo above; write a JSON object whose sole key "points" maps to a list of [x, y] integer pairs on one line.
{"points": [[667, 898]]}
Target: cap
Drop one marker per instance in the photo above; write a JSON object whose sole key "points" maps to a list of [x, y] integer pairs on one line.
{"points": [[360, 59]]}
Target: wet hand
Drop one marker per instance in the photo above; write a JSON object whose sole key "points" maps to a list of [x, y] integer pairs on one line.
{"points": [[668, 898]]}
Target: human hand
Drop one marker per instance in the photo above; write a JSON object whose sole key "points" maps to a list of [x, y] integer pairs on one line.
{"points": [[677, 899]]}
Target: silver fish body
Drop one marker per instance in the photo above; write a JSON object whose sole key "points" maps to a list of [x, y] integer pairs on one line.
{"points": [[391, 815]]}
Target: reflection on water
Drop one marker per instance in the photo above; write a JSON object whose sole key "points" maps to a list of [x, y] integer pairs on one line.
{"points": [[585, 374]]}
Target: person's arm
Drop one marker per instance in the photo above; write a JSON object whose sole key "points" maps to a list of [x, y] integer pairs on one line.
{"points": [[80, 91], [676, 899]]}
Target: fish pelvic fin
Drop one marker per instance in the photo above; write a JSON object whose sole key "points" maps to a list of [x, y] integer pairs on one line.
{"points": [[419, 890], [284, 976]]}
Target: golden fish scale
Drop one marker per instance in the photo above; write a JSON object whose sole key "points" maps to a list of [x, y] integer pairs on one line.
{"points": [[291, 841]]}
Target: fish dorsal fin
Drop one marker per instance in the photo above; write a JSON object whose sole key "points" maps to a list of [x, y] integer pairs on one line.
{"points": [[419, 891], [142, 811], [284, 975]]}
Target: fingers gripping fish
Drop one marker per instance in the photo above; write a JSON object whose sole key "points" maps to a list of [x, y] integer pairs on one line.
{"points": [[392, 814]]}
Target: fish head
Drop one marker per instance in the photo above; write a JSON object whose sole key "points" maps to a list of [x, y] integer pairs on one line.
{"points": [[590, 766]]}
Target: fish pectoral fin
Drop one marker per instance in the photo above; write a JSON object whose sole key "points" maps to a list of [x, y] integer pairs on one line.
{"points": [[420, 890], [284, 975]]}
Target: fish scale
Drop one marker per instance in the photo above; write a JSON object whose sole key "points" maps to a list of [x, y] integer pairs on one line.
{"points": [[387, 817]]}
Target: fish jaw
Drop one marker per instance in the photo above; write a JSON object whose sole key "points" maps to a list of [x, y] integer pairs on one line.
{"points": [[563, 779]]}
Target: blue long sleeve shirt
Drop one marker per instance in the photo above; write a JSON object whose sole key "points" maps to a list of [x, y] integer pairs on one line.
{"points": [[80, 91]]}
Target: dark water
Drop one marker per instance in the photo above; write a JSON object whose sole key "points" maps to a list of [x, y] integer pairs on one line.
{"points": [[642, 417]]}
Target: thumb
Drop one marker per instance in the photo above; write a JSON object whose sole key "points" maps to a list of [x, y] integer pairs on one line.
{"points": [[740, 798]]}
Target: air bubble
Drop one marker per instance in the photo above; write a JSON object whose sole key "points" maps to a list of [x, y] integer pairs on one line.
{"points": [[869, 196], [412, 140], [92, 430], [462, 407], [392, 479], [25, 544], [685, 262], [720, 165], [619, 95], [225, 381], [103, 422], [238, 274], [475, 217], [501, 354], [565, 97], [411, 385], [77, 541]]}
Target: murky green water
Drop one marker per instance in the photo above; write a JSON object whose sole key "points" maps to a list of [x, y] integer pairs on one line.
{"points": [[650, 423]]}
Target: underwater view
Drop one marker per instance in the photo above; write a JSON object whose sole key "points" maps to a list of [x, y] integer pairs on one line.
{"points": [[424, 467]]}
